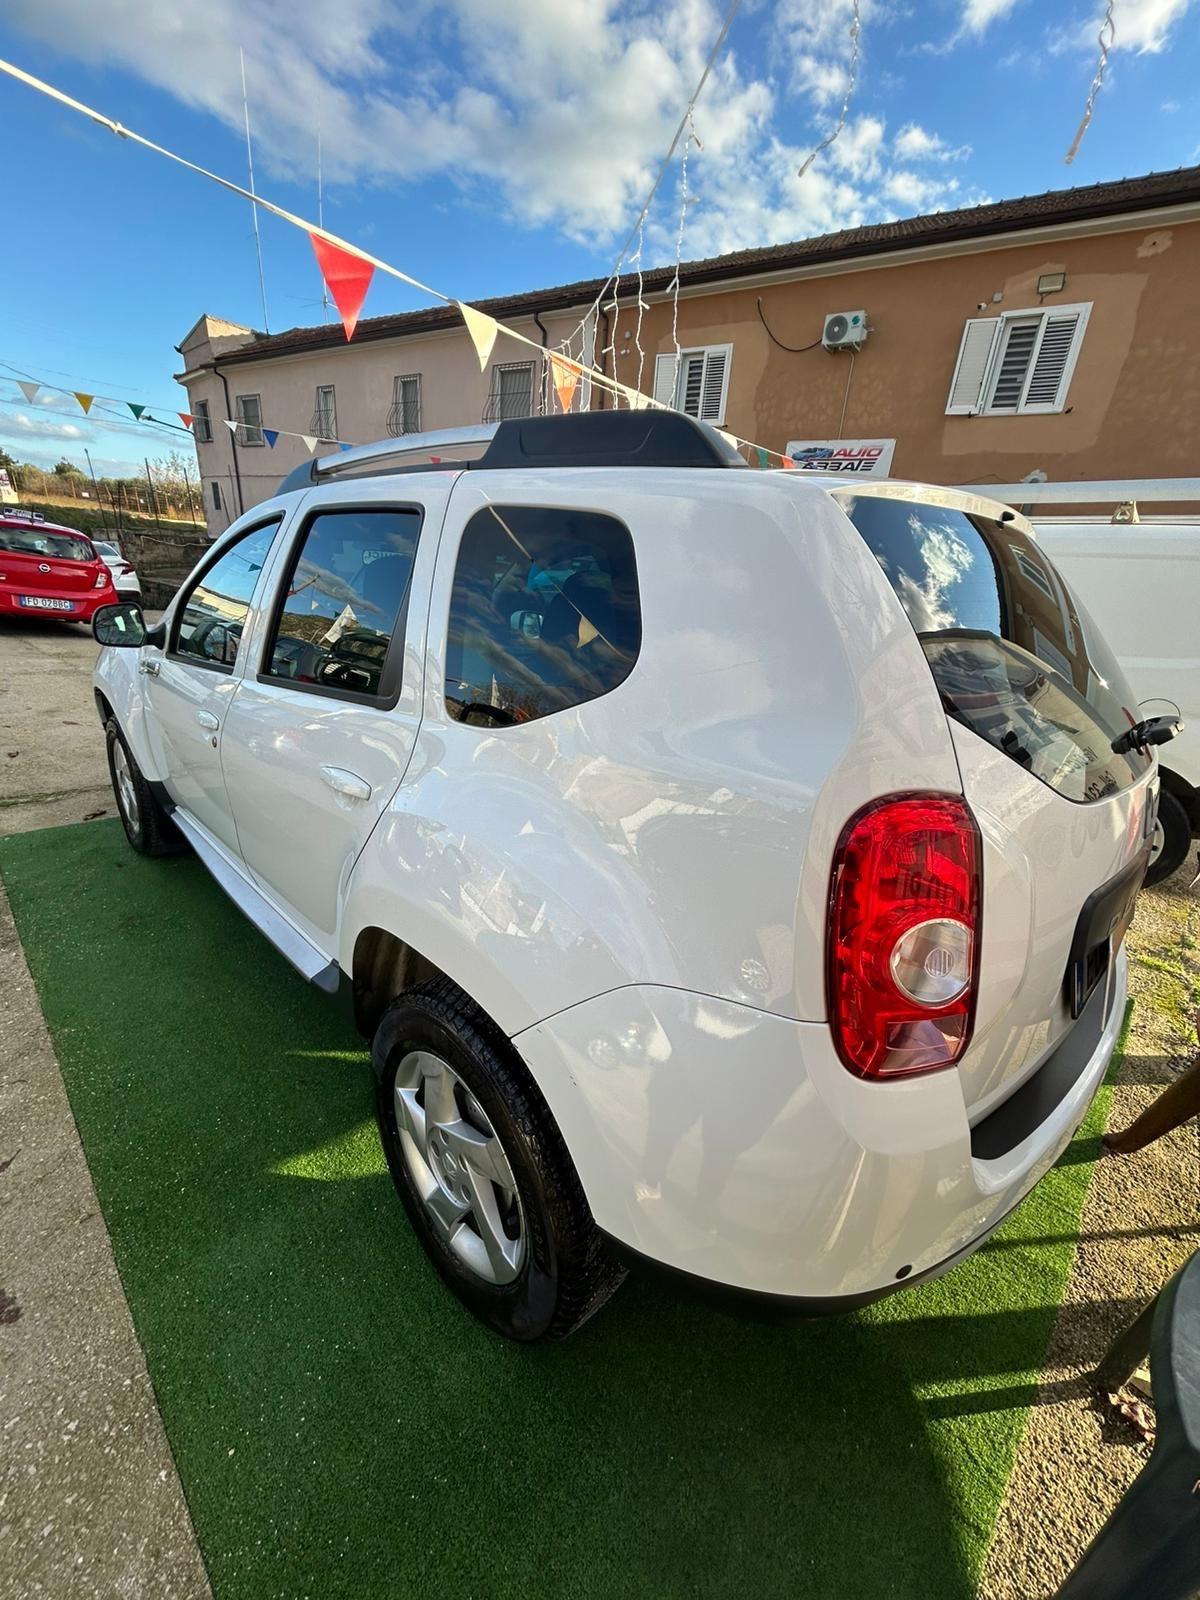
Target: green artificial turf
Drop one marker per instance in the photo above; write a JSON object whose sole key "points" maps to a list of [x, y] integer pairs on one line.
{"points": [[342, 1428]]}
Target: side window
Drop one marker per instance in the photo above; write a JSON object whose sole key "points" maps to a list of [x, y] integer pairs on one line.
{"points": [[340, 621], [209, 627], [544, 613]]}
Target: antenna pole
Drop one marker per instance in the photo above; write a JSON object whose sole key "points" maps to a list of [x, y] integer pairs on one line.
{"points": [[321, 217], [262, 282]]}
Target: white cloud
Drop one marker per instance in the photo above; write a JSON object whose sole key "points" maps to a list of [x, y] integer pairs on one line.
{"points": [[24, 426], [1144, 26], [915, 143], [978, 15], [556, 112]]}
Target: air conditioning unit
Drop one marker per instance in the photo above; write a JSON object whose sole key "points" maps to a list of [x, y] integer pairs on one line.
{"points": [[844, 330]]}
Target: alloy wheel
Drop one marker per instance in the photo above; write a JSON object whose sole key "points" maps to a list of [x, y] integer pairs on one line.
{"points": [[126, 791], [459, 1168]]}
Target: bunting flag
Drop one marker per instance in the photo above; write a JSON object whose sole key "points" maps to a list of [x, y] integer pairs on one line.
{"points": [[271, 435], [345, 447], [85, 400], [347, 277], [29, 390], [185, 417], [566, 376], [136, 409], [761, 458], [483, 330], [788, 464], [232, 426], [729, 438], [310, 444]]}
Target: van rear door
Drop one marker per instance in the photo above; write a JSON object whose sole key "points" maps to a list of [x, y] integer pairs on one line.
{"points": [[1034, 699]]}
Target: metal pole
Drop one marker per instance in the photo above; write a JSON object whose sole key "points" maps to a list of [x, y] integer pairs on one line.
{"points": [[96, 486], [153, 497], [262, 282]]}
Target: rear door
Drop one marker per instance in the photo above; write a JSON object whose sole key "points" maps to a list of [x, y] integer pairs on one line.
{"points": [[320, 731], [1034, 699]]}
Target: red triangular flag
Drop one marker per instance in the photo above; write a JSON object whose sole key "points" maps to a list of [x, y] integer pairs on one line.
{"points": [[186, 418], [346, 277]]}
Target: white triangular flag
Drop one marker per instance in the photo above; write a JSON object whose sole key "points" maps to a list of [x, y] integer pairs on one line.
{"points": [[483, 330], [29, 390], [232, 426], [310, 444], [728, 438]]}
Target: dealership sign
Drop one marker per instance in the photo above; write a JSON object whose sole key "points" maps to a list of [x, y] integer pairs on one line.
{"points": [[864, 458]]}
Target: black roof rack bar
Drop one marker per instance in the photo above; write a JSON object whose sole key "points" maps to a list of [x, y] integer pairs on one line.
{"points": [[584, 439]]}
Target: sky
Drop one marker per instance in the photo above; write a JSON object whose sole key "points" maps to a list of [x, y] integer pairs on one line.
{"points": [[491, 146]]}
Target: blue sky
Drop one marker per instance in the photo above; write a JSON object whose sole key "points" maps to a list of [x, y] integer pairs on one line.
{"points": [[487, 146]]}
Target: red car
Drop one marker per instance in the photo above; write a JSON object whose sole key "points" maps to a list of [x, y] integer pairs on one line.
{"points": [[49, 571]]}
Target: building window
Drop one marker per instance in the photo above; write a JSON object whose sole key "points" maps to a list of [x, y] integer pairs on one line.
{"points": [[216, 489], [248, 408], [1017, 363], [201, 425], [405, 413], [697, 383], [512, 392], [544, 613], [324, 418]]}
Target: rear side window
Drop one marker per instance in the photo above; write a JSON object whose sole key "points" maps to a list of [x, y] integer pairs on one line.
{"points": [[1014, 655], [340, 621], [213, 616], [544, 613]]}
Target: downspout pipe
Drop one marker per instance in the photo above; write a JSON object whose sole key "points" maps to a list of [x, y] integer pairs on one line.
{"points": [[541, 326]]}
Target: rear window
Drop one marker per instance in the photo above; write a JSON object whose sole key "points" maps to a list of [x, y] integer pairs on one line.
{"points": [[1015, 657], [42, 542]]}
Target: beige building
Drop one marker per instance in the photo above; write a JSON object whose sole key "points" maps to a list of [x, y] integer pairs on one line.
{"points": [[1057, 333]]}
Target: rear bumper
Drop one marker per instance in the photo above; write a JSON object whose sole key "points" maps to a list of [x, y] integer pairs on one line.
{"points": [[731, 1146]]}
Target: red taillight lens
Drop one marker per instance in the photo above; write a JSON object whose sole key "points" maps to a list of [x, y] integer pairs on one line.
{"points": [[903, 940], [102, 579]]}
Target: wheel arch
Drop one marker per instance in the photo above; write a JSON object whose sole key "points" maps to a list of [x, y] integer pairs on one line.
{"points": [[384, 966], [1188, 797]]}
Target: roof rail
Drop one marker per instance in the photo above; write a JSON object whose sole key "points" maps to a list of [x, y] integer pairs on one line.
{"points": [[657, 438]]}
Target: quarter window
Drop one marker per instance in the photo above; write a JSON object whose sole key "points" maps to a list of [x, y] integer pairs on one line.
{"points": [[210, 625], [544, 613], [340, 625]]}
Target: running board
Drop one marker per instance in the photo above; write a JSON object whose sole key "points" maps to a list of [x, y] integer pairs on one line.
{"points": [[308, 961]]}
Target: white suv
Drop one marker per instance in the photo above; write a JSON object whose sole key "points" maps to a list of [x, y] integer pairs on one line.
{"points": [[729, 870]]}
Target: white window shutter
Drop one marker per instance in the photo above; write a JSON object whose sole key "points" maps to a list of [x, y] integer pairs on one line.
{"points": [[716, 382], [971, 368], [664, 379], [1057, 351]]}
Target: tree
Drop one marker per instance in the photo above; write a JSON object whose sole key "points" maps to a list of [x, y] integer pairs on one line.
{"points": [[68, 469], [7, 463]]}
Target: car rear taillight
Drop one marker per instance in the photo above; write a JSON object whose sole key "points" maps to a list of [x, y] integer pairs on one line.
{"points": [[102, 578], [903, 939]]}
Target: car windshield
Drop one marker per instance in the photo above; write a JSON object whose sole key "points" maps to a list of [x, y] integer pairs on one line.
{"points": [[45, 542], [108, 551], [1015, 656]]}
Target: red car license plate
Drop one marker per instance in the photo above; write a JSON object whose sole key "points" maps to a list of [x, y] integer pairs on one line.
{"points": [[39, 604]]}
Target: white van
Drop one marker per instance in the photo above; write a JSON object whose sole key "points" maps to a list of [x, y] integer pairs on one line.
{"points": [[1139, 576]]}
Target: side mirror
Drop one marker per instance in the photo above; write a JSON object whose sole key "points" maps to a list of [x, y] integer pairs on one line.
{"points": [[121, 625]]}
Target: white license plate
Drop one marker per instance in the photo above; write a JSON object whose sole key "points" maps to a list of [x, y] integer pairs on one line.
{"points": [[46, 605]]}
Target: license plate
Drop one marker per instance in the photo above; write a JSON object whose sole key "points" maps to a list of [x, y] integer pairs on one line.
{"points": [[39, 604]]}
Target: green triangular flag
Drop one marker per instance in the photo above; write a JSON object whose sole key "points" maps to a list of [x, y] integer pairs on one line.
{"points": [[763, 457], [137, 410]]}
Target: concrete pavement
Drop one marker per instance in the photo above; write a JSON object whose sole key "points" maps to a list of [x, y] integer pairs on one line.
{"points": [[90, 1502]]}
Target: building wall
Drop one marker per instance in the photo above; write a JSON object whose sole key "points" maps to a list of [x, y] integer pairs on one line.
{"points": [[1133, 408], [1134, 399]]}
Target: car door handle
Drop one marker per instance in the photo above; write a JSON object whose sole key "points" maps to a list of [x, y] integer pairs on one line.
{"points": [[207, 720], [347, 783], [151, 668]]}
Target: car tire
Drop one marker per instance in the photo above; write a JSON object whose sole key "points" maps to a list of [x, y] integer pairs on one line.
{"points": [[147, 826], [528, 1260], [1175, 833]]}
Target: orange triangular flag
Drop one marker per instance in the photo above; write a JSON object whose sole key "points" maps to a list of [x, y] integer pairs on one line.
{"points": [[85, 400], [347, 277], [566, 376], [185, 417]]}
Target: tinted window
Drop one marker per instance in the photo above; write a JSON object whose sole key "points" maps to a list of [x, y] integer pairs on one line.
{"points": [[345, 594], [1015, 657], [544, 613], [213, 616], [35, 541]]}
